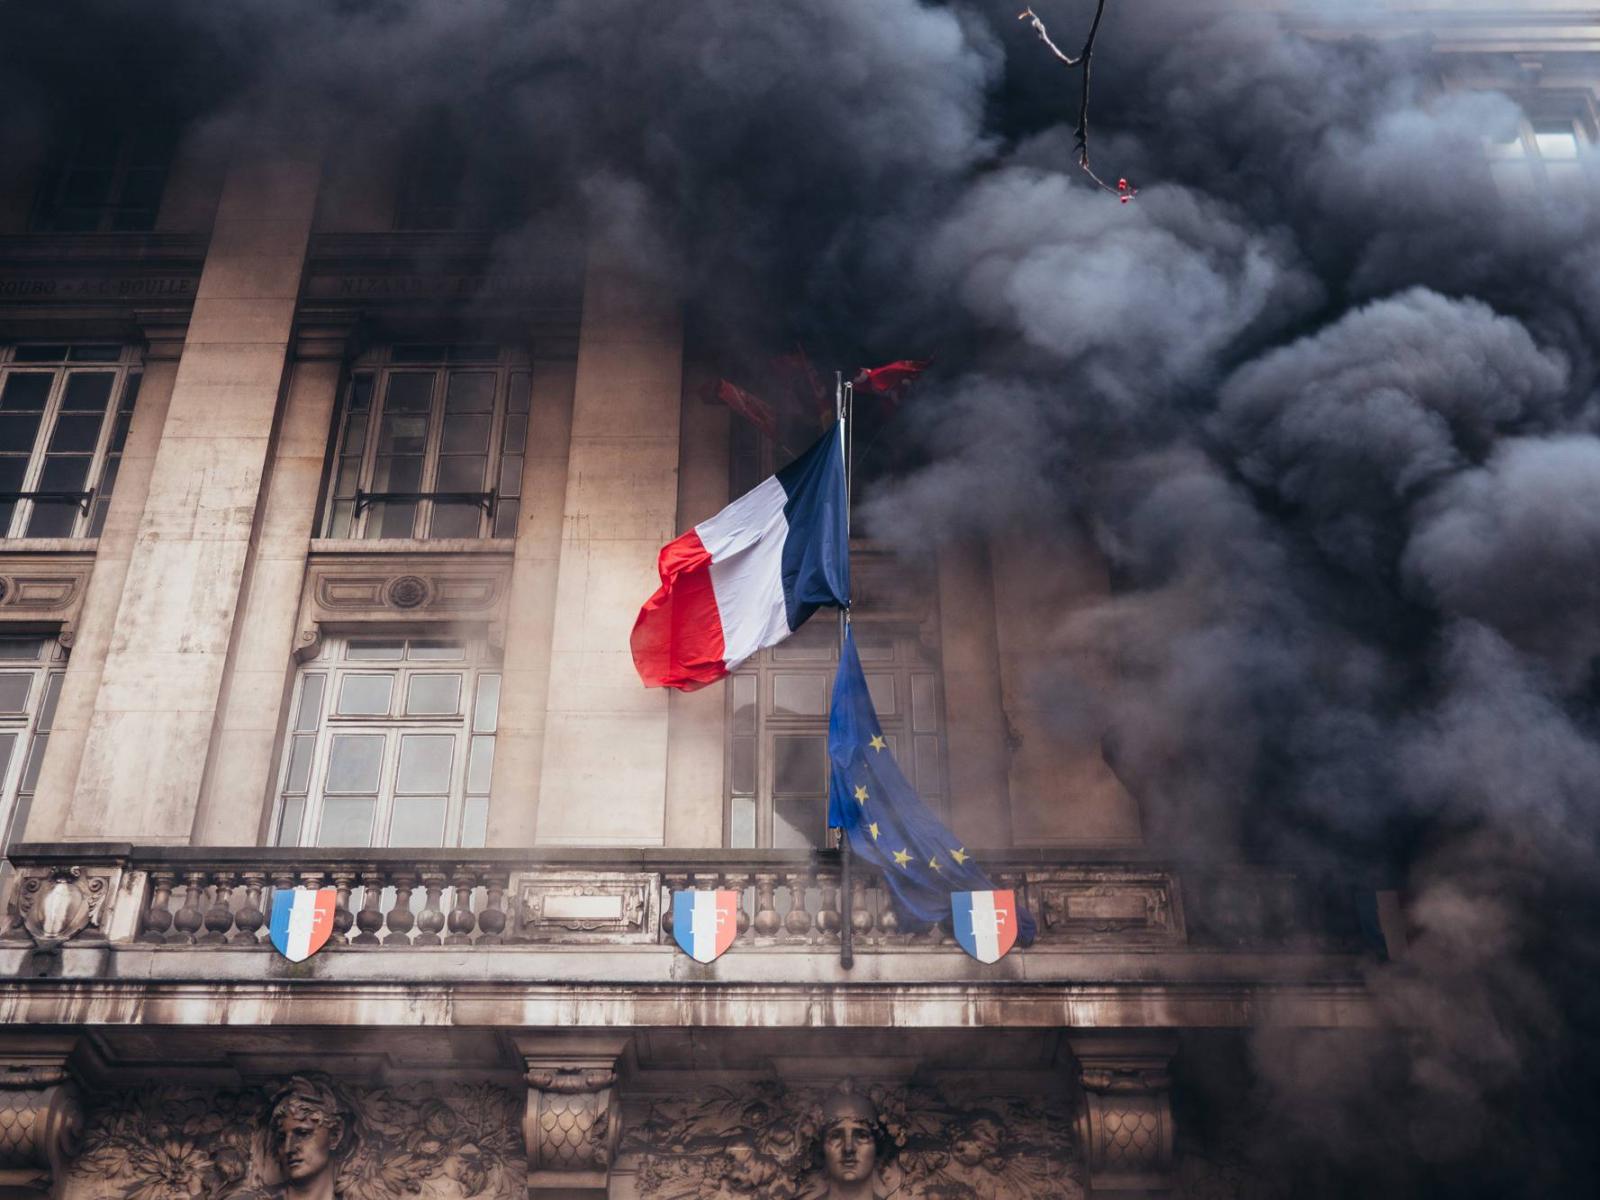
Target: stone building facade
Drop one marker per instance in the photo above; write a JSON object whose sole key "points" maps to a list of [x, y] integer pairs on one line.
{"points": [[326, 525]]}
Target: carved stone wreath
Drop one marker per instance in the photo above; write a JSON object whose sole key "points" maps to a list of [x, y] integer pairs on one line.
{"points": [[407, 591]]}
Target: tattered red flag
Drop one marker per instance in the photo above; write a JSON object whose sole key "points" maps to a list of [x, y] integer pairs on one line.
{"points": [[802, 378], [748, 405], [891, 380]]}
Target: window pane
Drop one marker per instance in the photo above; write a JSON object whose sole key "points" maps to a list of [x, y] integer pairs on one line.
{"points": [[520, 386], [14, 689], [108, 352], [310, 703], [354, 763], [392, 520], [475, 822], [800, 695], [744, 703], [742, 823], [511, 475], [8, 743], [480, 766], [926, 751], [52, 697], [456, 521], [289, 823], [299, 773], [30, 770], [409, 392], [376, 650], [418, 821], [466, 434], [516, 435], [40, 353], [365, 695], [25, 391], [799, 765], [1556, 142], [486, 714], [506, 513], [742, 768], [75, 433], [425, 762], [347, 821], [470, 392], [796, 823], [87, 391], [23, 649], [17, 433], [461, 473], [433, 695], [924, 717]]}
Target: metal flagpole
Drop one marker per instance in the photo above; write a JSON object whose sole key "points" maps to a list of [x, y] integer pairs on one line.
{"points": [[843, 402]]}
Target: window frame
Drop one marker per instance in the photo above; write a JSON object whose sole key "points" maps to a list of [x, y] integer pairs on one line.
{"points": [[1523, 153], [369, 383], [906, 660], [112, 212], [476, 664], [32, 726], [127, 372]]}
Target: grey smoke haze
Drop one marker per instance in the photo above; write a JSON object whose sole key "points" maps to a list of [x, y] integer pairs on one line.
{"points": [[1324, 399]]}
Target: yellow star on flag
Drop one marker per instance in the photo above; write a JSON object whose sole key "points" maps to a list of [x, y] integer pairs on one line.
{"points": [[873, 829], [861, 794], [901, 858], [877, 742], [959, 855], [934, 862]]}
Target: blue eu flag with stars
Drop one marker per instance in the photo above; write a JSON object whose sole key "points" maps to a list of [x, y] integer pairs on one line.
{"points": [[887, 823]]}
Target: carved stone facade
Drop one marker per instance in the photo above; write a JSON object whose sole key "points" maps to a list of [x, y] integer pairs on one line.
{"points": [[176, 1143], [41, 1123], [935, 1143]]}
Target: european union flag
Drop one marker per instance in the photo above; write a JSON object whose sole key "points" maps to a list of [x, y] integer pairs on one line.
{"points": [[886, 821]]}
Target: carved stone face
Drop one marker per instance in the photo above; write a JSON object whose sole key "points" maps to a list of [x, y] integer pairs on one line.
{"points": [[849, 1151], [977, 1143], [304, 1148]]}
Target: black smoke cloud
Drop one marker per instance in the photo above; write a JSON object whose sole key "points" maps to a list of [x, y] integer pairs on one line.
{"points": [[1323, 397]]}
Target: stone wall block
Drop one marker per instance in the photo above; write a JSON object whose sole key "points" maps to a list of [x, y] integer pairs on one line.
{"points": [[1126, 1124]]}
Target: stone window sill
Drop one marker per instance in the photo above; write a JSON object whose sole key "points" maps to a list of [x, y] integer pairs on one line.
{"points": [[364, 546], [28, 545]]}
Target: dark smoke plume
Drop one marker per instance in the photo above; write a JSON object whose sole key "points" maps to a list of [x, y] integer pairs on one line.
{"points": [[1322, 395]]}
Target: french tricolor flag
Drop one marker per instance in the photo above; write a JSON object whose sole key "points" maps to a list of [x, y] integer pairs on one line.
{"points": [[748, 577]]}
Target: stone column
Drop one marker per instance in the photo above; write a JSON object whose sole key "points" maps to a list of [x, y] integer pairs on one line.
{"points": [[1126, 1124], [53, 799], [573, 1119], [1062, 791], [531, 610], [605, 750], [41, 1123], [236, 798], [975, 722], [697, 721], [149, 736]]}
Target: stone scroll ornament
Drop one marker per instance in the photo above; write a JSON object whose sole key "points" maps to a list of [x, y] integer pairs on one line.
{"points": [[920, 1143], [704, 923], [302, 921]]}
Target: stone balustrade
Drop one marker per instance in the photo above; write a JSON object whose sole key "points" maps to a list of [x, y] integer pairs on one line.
{"points": [[222, 897]]}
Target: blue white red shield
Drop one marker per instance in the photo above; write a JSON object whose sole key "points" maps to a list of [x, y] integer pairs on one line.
{"points": [[704, 923], [302, 920], [985, 923]]}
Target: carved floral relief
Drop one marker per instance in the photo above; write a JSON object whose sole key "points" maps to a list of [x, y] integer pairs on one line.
{"points": [[458, 1143], [766, 1141]]}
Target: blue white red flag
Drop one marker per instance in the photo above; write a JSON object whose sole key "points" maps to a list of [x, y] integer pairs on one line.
{"points": [[750, 576], [704, 923], [922, 862], [302, 921], [985, 923]]}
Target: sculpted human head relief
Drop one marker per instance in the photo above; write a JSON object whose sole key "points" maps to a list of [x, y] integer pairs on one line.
{"points": [[309, 1128]]}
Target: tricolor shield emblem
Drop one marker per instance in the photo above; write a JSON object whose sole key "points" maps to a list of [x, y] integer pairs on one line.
{"points": [[985, 923], [302, 920], [704, 923]]}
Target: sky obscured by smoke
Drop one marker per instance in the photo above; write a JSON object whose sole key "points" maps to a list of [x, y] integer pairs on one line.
{"points": [[1324, 398]]}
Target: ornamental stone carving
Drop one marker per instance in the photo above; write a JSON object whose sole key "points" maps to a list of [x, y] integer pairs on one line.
{"points": [[41, 1126], [53, 906], [299, 1139], [852, 1142], [573, 1118], [45, 589], [1126, 1123]]}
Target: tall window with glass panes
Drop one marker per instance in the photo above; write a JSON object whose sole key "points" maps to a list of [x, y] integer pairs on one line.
{"points": [[31, 671]]}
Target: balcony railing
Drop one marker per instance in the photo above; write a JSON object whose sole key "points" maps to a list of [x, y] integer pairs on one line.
{"points": [[160, 896]]}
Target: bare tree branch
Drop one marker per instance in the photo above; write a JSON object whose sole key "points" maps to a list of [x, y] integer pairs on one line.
{"points": [[1084, 59]]}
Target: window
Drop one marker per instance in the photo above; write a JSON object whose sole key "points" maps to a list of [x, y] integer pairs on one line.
{"points": [[390, 743], [429, 444], [1539, 155], [777, 767], [64, 417], [31, 671], [105, 179]]}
